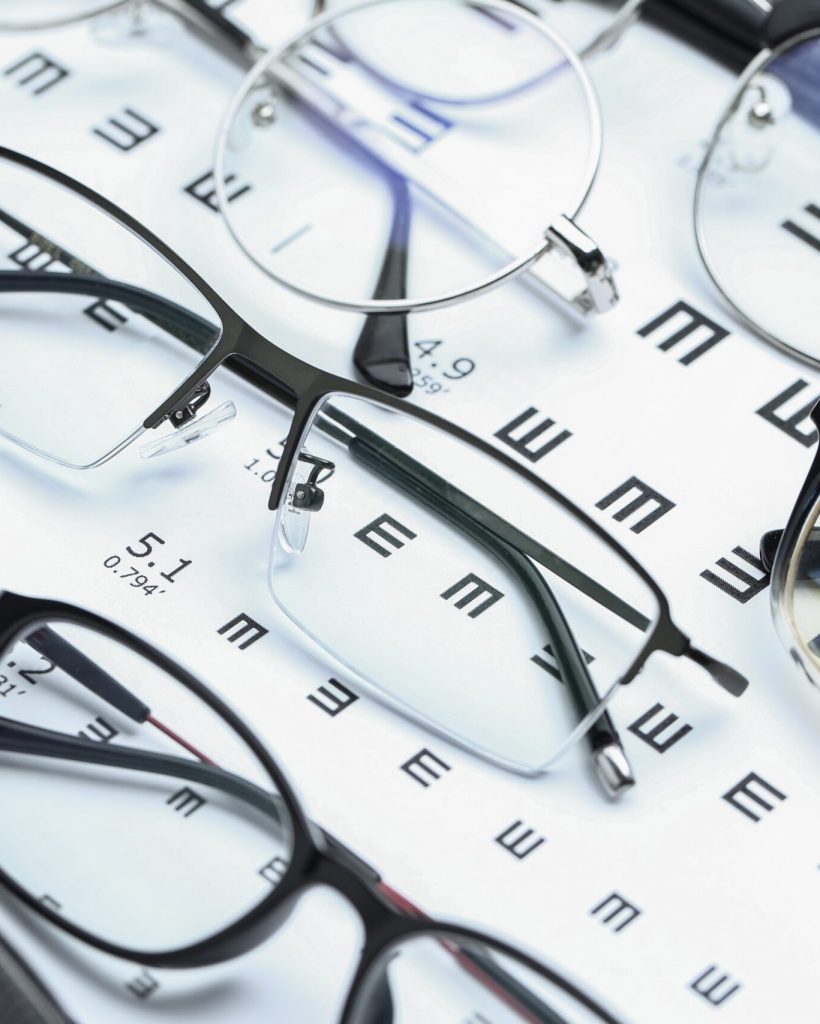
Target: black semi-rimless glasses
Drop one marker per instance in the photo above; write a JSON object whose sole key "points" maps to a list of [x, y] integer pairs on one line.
{"points": [[144, 889], [388, 179], [533, 615]]}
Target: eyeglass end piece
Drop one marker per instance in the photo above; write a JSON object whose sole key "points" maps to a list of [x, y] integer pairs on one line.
{"points": [[769, 544], [394, 377], [613, 769], [724, 675]]}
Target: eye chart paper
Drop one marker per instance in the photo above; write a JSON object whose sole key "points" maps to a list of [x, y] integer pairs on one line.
{"points": [[693, 897]]}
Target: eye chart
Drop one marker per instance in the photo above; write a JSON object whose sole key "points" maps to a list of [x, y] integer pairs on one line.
{"points": [[696, 894]]}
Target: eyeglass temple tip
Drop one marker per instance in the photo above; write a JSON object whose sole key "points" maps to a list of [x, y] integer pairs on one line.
{"points": [[724, 675]]}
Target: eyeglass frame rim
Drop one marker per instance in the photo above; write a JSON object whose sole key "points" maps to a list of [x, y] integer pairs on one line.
{"points": [[758, 64], [509, 271], [807, 500], [317, 857]]}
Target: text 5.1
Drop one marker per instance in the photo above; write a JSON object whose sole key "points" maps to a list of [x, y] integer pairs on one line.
{"points": [[140, 557]]}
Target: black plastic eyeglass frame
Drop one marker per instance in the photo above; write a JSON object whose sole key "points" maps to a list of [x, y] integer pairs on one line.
{"points": [[303, 389], [317, 858]]}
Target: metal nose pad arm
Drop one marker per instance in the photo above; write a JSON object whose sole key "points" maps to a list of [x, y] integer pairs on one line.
{"points": [[304, 496], [756, 128], [188, 427]]}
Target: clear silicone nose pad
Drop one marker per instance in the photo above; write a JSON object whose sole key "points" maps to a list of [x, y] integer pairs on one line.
{"points": [[194, 430], [305, 496], [296, 521], [756, 124]]}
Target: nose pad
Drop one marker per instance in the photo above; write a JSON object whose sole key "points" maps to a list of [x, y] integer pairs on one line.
{"points": [[756, 125], [259, 109], [194, 430], [304, 496], [296, 517]]}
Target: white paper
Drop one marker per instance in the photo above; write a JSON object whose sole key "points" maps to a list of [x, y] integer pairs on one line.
{"points": [[714, 887]]}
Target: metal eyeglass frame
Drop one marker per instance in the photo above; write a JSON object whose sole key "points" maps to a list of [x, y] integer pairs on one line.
{"points": [[381, 352], [732, 30], [303, 389], [317, 858], [779, 553]]}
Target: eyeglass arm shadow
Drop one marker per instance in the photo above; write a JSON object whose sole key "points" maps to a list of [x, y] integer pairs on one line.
{"points": [[471, 519]]}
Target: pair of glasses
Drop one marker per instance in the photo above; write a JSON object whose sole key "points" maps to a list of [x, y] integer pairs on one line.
{"points": [[757, 213], [147, 890], [410, 154], [533, 616]]}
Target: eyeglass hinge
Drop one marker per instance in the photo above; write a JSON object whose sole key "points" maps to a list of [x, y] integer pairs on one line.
{"points": [[600, 293]]}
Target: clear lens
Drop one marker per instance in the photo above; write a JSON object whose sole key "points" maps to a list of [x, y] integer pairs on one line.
{"points": [[757, 214], [406, 151], [442, 977], [154, 847], [442, 578], [98, 329], [44, 13]]}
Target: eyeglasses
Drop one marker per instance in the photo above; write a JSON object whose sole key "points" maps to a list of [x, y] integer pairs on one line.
{"points": [[486, 606], [147, 890], [792, 556], [411, 154], [390, 177], [756, 213]]}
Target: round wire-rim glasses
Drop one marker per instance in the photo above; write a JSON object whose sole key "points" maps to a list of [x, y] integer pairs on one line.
{"points": [[264, 71], [765, 121]]}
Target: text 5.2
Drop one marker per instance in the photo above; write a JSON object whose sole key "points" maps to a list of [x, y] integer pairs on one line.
{"points": [[140, 557]]}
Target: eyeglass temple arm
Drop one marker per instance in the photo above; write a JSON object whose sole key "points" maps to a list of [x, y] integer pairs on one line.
{"points": [[199, 13], [31, 740], [505, 986], [770, 542], [48, 643], [730, 31], [382, 354], [480, 966], [24, 997], [192, 330], [419, 483], [184, 325], [724, 675]]}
